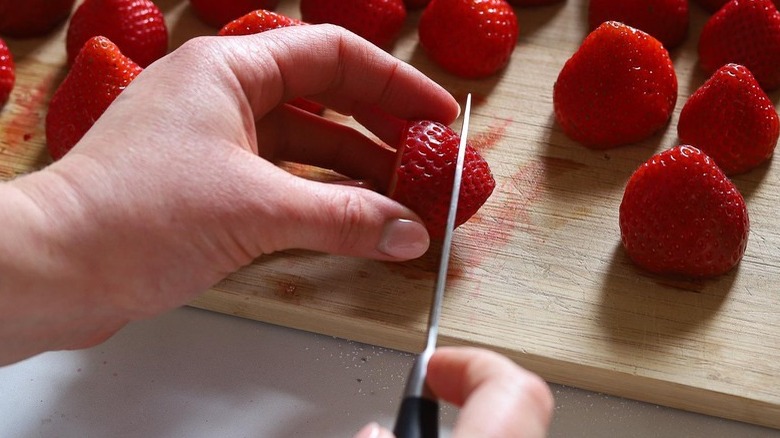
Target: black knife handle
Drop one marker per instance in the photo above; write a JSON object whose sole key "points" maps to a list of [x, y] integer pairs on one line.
{"points": [[417, 418]]}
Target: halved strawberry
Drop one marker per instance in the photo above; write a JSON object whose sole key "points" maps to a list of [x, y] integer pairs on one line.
{"points": [[98, 75], [731, 119], [427, 155], [618, 88], [745, 32], [681, 215]]}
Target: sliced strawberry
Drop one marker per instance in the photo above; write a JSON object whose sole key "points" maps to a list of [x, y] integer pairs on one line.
{"points": [[378, 21], [467, 38], [745, 32], [618, 88], [7, 72], [137, 27], [731, 119], [666, 20], [217, 13], [427, 155], [681, 215], [99, 74]]}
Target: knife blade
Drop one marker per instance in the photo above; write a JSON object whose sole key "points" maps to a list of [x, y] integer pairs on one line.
{"points": [[418, 416]]}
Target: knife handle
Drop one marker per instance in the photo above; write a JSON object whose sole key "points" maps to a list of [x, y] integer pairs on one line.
{"points": [[417, 418]]}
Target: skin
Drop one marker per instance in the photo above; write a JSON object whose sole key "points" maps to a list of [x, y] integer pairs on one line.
{"points": [[176, 186]]}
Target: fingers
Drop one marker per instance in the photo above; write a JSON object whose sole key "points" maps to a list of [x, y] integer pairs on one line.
{"points": [[336, 68], [291, 134], [344, 220], [498, 398]]}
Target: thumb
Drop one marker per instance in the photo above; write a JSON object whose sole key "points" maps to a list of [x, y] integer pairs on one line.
{"points": [[352, 221], [373, 430]]}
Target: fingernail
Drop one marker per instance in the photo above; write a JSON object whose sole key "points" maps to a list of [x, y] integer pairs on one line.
{"points": [[404, 239], [370, 431]]}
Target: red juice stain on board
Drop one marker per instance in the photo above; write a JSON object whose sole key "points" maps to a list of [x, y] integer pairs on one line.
{"points": [[30, 112], [487, 140]]}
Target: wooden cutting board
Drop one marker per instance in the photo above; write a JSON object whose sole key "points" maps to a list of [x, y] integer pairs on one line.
{"points": [[539, 273]]}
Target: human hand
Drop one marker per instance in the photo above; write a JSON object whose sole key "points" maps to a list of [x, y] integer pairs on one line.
{"points": [[497, 397], [175, 186]]}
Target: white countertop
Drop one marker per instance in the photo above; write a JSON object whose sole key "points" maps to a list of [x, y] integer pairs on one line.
{"points": [[193, 373]]}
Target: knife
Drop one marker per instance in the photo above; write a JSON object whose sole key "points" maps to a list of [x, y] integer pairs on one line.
{"points": [[418, 416]]}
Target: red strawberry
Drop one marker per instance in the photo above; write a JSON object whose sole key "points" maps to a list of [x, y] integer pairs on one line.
{"points": [[427, 155], [666, 20], [378, 21], [261, 21], [258, 21], [713, 5], [217, 13], [618, 88], [98, 75], [137, 27], [681, 215], [745, 32], [525, 3], [7, 73], [469, 38], [30, 18], [731, 119], [416, 4]]}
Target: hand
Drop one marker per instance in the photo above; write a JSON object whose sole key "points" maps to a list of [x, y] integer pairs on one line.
{"points": [[497, 397], [176, 186]]}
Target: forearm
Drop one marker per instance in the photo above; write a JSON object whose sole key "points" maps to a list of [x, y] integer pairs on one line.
{"points": [[41, 308]]}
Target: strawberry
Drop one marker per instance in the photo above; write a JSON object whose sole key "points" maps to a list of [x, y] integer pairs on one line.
{"points": [[260, 21], [745, 32], [526, 3], [7, 72], [469, 38], [31, 18], [217, 13], [427, 154], [618, 88], [681, 215], [713, 5], [416, 4], [731, 119], [137, 27], [378, 21], [666, 20], [98, 75]]}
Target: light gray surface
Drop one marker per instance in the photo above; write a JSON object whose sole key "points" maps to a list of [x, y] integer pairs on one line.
{"points": [[193, 373]]}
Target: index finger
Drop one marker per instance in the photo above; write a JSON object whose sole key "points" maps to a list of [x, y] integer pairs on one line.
{"points": [[337, 68], [498, 398]]}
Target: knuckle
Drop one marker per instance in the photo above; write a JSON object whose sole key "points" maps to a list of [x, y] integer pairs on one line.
{"points": [[351, 211]]}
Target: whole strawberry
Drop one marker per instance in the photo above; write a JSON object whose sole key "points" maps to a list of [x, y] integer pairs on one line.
{"points": [[666, 20], [681, 215], [427, 155], [745, 32], [713, 5], [416, 4], [7, 72], [618, 88], [31, 18], [378, 21], [98, 75], [256, 22], [469, 38], [137, 27], [731, 119], [526, 3], [262, 20], [217, 13]]}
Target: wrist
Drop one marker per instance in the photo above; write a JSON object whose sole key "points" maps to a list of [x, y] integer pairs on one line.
{"points": [[43, 302]]}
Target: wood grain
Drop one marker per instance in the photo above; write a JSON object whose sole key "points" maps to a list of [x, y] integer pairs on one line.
{"points": [[539, 273]]}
